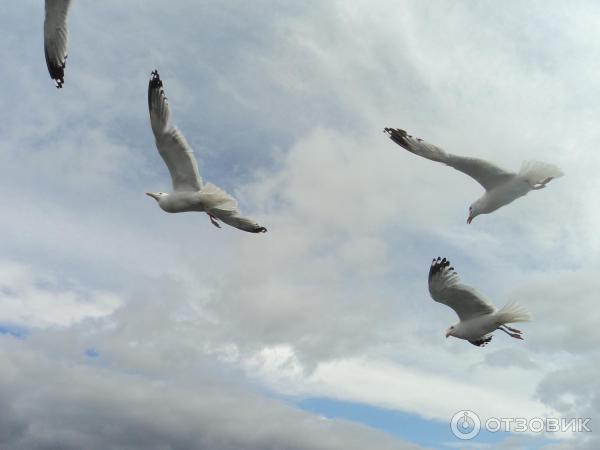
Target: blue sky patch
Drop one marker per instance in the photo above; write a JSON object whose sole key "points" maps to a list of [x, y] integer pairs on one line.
{"points": [[14, 330], [410, 427], [91, 352]]}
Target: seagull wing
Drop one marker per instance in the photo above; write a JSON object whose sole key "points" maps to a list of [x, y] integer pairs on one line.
{"points": [[56, 39], [445, 287], [225, 208], [171, 143], [236, 220], [485, 173]]}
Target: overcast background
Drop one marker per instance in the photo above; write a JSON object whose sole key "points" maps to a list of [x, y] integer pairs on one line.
{"points": [[125, 327]]}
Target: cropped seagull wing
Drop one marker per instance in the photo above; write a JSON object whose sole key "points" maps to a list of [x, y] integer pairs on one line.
{"points": [[56, 39], [445, 287], [171, 143], [485, 173]]}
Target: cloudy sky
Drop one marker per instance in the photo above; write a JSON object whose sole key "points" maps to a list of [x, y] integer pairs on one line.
{"points": [[125, 327]]}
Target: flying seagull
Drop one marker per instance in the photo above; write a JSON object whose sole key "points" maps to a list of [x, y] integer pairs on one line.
{"points": [[501, 187], [478, 317], [189, 192], [56, 39]]}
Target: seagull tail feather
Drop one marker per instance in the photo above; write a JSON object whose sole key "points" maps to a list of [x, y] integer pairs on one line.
{"points": [[535, 172], [513, 312]]}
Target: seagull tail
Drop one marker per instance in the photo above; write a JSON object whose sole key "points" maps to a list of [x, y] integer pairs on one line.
{"points": [[513, 312], [535, 172]]}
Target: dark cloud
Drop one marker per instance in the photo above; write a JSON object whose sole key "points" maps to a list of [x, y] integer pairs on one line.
{"points": [[49, 404]]}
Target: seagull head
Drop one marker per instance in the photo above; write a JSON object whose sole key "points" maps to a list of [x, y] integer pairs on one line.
{"points": [[156, 195], [450, 331], [473, 212]]}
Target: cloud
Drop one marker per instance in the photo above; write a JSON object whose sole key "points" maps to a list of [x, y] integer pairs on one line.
{"points": [[107, 409], [394, 386], [284, 105], [33, 299]]}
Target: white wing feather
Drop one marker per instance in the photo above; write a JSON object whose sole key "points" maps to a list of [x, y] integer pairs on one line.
{"points": [[445, 287], [56, 39], [171, 143], [485, 173]]}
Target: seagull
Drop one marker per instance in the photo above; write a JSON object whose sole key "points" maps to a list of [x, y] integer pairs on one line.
{"points": [[56, 39], [501, 187], [189, 192], [478, 317]]}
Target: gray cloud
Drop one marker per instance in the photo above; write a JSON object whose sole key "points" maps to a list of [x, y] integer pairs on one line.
{"points": [[56, 404]]}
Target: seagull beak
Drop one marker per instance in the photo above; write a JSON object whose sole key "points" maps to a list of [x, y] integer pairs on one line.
{"points": [[150, 194], [469, 219], [447, 334]]}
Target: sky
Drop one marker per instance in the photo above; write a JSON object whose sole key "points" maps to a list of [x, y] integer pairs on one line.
{"points": [[125, 327]]}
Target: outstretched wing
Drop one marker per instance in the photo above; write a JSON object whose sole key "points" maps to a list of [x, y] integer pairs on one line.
{"points": [[485, 173], [235, 220], [56, 39], [171, 143], [445, 287], [225, 208]]}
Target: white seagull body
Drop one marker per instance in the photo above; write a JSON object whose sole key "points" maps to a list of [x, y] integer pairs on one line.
{"points": [[189, 192], [501, 187], [478, 317], [56, 39]]}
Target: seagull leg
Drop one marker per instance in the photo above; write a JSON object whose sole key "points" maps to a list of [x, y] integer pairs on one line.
{"points": [[514, 330], [542, 184], [514, 335], [213, 220]]}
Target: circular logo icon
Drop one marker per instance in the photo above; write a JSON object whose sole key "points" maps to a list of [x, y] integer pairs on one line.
{"points": [[465, 424]]}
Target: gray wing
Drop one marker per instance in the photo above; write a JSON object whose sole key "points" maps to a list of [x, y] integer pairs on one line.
{"points": [[56, 39], [485, 173], [445, 287], [225, 208], [237, 221], [171, 143]]}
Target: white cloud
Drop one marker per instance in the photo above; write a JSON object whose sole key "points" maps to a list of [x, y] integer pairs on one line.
{"points": [[33, 299]]}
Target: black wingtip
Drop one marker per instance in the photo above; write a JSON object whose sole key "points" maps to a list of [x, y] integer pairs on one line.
{"points": [[56, 71], [259, 230], [397, 135], [437, 265], [482, 342], [155, 81]]}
